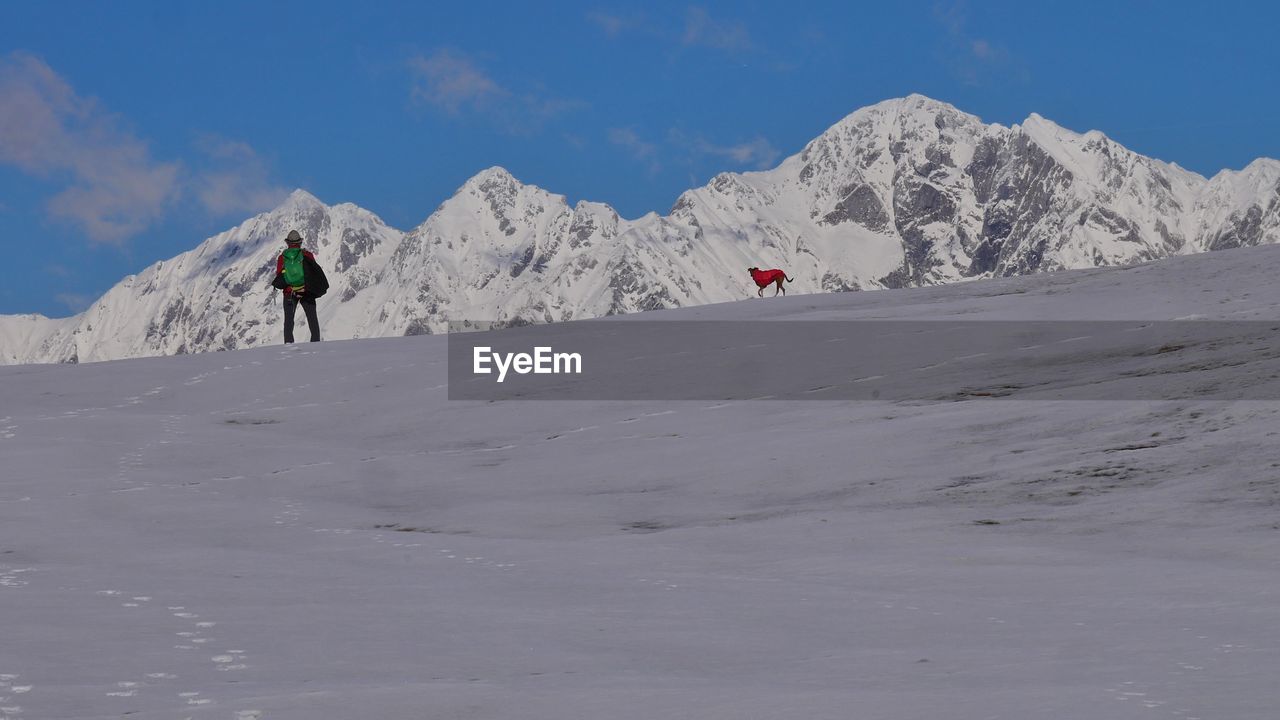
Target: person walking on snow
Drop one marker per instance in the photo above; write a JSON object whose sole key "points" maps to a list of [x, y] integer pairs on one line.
{"points": [[300, 277]]}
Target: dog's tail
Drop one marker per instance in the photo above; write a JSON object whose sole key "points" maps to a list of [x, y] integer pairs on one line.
{"points": [[787, 278]]}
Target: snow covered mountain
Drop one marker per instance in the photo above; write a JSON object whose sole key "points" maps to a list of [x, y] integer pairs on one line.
{"points": [[207, 537], [907, 192]]}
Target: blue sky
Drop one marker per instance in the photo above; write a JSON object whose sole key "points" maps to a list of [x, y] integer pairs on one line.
{"points": [[131, 131]]}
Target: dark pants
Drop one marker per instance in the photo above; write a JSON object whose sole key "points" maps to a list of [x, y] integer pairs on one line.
{"points": [[309, 307]]}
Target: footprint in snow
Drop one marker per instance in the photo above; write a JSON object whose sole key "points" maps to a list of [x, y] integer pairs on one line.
{"points": [[9, 688], [124, 688], [193, 698], [451, 555], [230, 660], [13, 577]]}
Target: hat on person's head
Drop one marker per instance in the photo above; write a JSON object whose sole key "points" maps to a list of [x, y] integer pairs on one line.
{"points": [[295, 238]]}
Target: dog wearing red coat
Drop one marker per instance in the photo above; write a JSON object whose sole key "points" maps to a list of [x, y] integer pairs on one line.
{"points": [[765, 278]]}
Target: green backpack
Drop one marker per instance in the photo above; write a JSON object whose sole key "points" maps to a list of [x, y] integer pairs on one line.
{"points": [[294, 274]]}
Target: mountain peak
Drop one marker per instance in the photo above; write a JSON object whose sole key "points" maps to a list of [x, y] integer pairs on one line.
{"points": [[1263, 166], [912, 104], [300, 200], [912, 101], [492, 182], [1258, 179], [910, 111], [1036, 121], [924, 101], [496, 173], [1050, 135]]}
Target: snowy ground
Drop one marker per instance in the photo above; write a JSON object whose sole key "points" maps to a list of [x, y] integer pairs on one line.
{"points": [[316, 532]]}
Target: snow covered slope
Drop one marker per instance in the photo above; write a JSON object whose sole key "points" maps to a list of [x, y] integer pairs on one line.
{"points": [[316, 532], [904, 193]]}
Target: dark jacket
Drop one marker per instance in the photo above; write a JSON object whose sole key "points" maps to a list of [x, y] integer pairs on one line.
{"points": [[314, 281]]}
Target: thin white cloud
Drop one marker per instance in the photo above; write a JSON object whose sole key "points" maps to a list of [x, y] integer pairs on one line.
{"points": [[757, 153], [538, 108], [76, 303], [617, 24], [116, 188], [238, 180], [453, 83], [611, 24], [971, 58], [702, 29], [696, 28], [640, 149], [952, 16]]}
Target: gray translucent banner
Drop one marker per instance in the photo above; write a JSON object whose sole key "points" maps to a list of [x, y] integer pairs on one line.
{"points": [[870, 360]]}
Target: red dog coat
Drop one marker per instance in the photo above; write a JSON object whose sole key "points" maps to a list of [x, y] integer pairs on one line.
{"points": [[764, 278]]}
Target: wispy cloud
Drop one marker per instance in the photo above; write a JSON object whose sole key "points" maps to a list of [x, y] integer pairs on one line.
{"points": [[757, 153], [972, 58], [538, 107], [238, 179], [453, 83], [76, 303], [642, 150], [114, 188], [700, 28], [695, 151], [695, 27], [982, 49], [57, 270], [693, 32], [612, 24]]}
